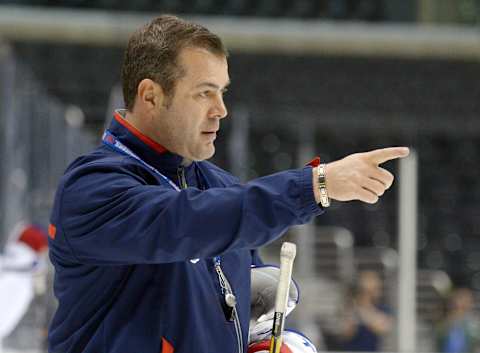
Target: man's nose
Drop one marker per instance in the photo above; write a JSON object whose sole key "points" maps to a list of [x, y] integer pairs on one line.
{"points": [[220, 110]]}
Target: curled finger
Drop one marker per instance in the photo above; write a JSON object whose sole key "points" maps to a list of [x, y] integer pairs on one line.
{"points": [[366, 195], [373, 185], [383, 176]]}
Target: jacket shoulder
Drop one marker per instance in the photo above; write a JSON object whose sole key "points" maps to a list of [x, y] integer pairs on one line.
{"points": [[103, 161]]}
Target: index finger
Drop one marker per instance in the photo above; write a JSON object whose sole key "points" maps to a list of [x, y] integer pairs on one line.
{"points": [[383, 155]]}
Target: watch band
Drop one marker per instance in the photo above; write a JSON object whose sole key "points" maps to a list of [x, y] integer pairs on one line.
{"points": [[322, 186]]}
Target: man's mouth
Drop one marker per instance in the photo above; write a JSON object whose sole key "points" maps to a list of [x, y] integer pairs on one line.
{"points": [[213, 132], [210, 134]]}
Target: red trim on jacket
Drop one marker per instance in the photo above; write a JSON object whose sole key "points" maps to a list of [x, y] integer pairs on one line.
{"points": [[314, 162], [166, 346], [52, 230], [144, 138]]}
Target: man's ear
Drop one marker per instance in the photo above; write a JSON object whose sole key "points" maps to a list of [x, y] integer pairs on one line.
{"points": [[150, 93]]}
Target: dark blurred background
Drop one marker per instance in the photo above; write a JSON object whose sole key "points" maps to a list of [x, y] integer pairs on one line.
{"points": [[324, 77]]}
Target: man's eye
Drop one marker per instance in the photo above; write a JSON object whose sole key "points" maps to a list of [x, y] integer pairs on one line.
{"points": [[204, 94]]}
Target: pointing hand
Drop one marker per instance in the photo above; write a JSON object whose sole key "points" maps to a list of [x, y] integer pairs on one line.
{"points": [[359, 176]]}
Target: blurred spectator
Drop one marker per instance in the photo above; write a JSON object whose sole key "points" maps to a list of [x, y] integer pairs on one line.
{"points": [[460, 331], [365, 319], [23, 258]]}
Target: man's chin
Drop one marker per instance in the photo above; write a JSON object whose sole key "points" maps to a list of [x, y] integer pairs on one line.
{"points": [[207, 154]]}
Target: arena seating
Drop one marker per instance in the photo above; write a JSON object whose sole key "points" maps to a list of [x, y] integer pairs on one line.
{"points": [[370, 10], [353, 108]]}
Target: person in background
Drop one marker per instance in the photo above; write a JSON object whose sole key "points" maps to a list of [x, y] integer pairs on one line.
{"points": [[460, 331], [366, 319], [22, 262]]}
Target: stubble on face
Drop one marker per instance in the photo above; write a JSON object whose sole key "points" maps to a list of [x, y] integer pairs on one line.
{"points": [[187, 123]]}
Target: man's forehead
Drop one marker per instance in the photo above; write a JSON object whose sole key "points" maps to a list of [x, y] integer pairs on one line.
{"points": [[202, 65]]}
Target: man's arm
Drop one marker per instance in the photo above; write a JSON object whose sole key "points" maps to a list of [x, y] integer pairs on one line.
{"points": [[110, 217], [378, 321]]}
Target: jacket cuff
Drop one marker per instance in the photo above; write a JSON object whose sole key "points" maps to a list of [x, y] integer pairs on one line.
{"points": [[308, 205]]}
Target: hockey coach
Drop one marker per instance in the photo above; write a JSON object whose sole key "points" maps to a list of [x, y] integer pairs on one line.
{"points": [[152, 245]]}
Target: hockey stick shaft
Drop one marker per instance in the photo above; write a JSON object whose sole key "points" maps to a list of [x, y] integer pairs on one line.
{"points": [[287, 256]]}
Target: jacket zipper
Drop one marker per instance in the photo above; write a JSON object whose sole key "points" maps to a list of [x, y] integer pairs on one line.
{"points": [[182, 181], [227, 289]]}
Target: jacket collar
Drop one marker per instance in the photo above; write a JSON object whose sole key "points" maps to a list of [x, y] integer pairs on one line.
{"points": [[120, 118], [147, 149]]}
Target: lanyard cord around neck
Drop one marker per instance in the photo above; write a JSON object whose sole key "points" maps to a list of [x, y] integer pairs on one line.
{"points": [[111, 140]]}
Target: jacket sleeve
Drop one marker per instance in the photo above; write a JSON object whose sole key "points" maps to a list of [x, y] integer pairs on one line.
{"points": [[111, 217]]}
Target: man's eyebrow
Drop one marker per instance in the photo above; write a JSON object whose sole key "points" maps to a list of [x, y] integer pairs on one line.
{"points": [[212, 85]]}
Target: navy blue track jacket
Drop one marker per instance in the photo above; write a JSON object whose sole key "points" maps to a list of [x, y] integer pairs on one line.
{"points": [[134, 258]]}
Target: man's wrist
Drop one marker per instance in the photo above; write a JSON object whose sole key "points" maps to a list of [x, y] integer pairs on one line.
{"points": [[322, 186], [316, 189]]}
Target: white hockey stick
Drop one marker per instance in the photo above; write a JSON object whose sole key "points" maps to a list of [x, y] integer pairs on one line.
{"points": [[287, 255]]}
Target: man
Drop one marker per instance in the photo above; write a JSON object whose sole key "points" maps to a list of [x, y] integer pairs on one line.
{"points": [[366, 319], [459, 331], [152, 245]]}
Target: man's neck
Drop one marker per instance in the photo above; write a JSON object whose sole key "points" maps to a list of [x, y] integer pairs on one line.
{"points": [[134, 121], [139, 125]]}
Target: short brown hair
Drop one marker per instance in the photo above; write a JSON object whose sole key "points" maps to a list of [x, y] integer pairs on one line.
{"points": [[152, 52]]}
